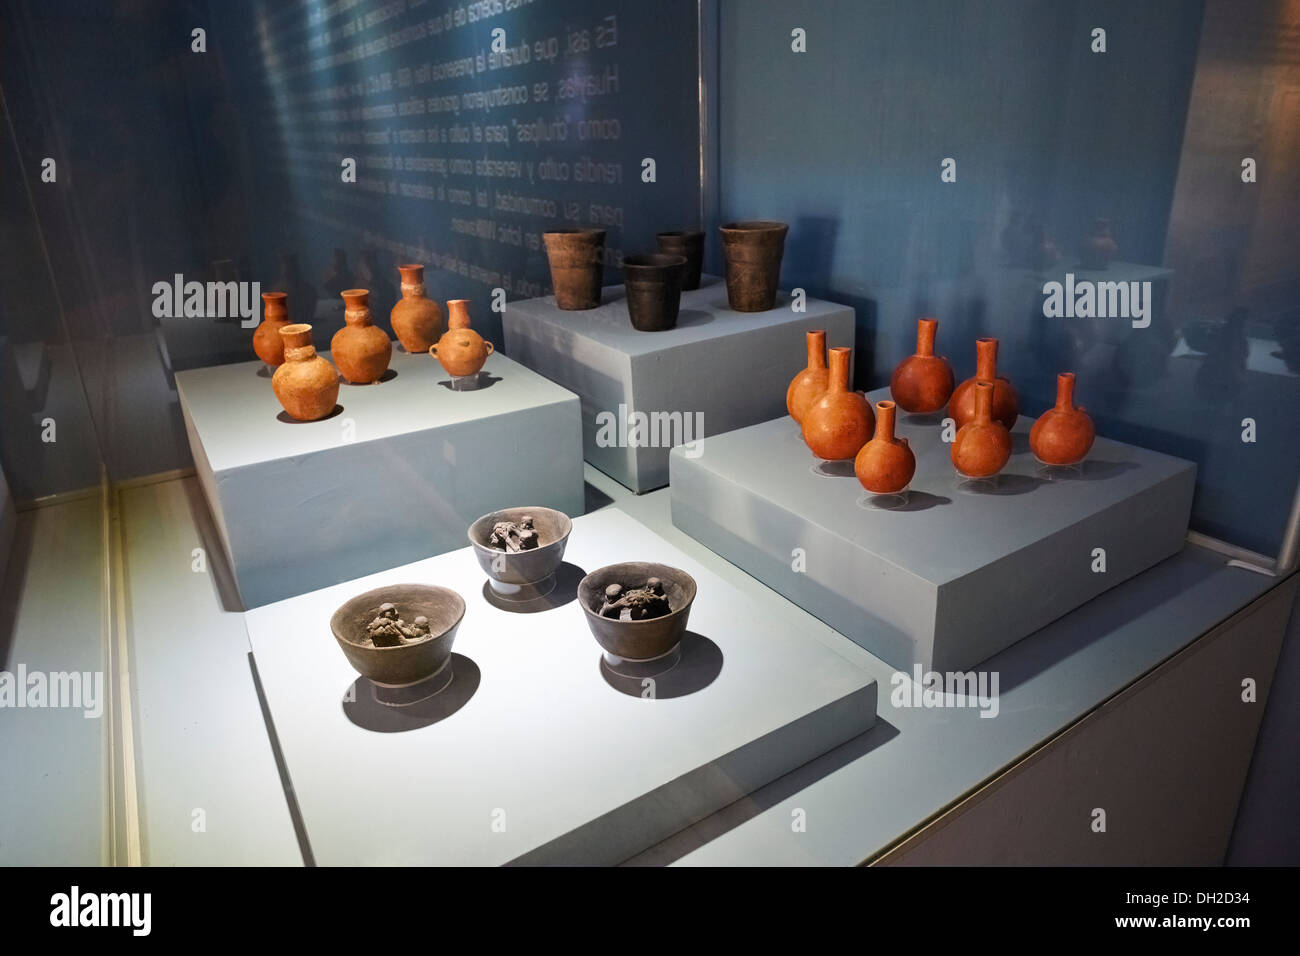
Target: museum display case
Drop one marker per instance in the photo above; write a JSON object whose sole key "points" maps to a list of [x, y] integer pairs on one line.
{"points": [[701, 432]]}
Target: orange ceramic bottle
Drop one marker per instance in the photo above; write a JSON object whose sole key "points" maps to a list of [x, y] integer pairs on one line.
{"points": [[1006, 404], [839, 423], [306, 385], [359, 349], [885, 464], [417, 319], [266, 338], [808, 385], [922, 382], [983, 445], [1062, 435], [461, 350]]}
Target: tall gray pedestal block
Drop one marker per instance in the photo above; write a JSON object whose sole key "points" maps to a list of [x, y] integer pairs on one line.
{"points": [[729, 368], [396, 475]]}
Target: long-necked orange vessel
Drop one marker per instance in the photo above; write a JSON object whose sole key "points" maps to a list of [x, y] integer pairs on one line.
{"points": [[982, 447], [1063, 435], [885, 465], [1006, 404], [840, 422], [808, 386], [922, 382]]}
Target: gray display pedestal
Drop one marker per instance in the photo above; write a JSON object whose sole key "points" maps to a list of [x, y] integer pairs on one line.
{"points": [[397, 473], [535, 753], [959, 571], [718, 370]]}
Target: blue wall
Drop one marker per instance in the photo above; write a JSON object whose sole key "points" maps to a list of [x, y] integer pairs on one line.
{"points": [[300, 204], [845, 143]]}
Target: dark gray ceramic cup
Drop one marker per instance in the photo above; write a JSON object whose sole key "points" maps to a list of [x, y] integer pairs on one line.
{"points": [[422, 663], [654, 290], [638, 642], [523, 575], [690, 245]]}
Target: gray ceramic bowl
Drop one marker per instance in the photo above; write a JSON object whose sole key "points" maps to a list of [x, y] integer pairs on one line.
{"points": [[524, 574], [638, 640], [408, 663]]}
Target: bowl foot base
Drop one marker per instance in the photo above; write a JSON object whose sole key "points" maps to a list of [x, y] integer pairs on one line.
{"points": [[402, 695], [653, 667], [523, 592]]}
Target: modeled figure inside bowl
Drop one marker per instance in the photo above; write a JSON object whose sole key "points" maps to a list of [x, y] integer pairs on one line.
{"points": [[389, 630], [635, 604], [514, 536]]}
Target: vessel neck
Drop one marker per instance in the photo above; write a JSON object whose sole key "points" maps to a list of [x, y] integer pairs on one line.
{"points": [[841, 372], [926, 330], [458, 314], [1065, 391], [885, 412], [817, 349], [986, 360], [983, 403], [413, 282], [356, 310], [273, 306]]}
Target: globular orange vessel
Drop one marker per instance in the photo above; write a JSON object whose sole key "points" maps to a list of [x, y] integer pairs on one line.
{"points": [[840, 422], [416, 319], [922, 383], [266, 338], [461, 350], [360, 349], [808, 385], [983, 445], [1006, 404], [885, 465], [306, 384], [1062, 435]]}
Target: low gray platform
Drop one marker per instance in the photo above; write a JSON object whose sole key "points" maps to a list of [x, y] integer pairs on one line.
{"points": [[398, 474], [962, 571], [539, 756], [730, 367]]}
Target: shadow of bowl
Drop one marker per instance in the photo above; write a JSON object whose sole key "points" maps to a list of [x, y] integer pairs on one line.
{"points": [[365, 705], [698, 666]]}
